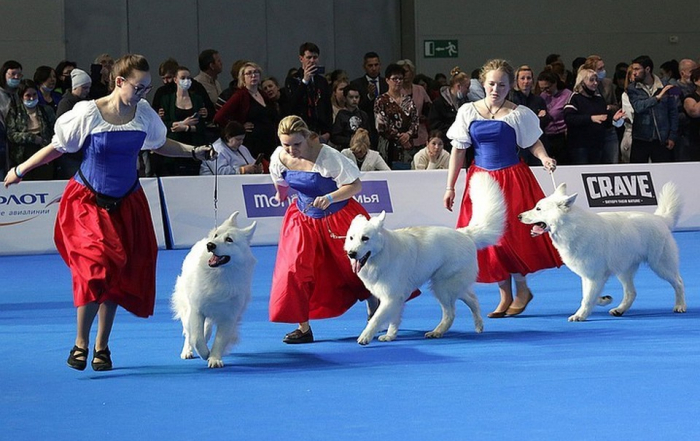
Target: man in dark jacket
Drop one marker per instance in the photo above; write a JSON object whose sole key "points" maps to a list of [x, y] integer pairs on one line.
{"points": [[655, 126]]}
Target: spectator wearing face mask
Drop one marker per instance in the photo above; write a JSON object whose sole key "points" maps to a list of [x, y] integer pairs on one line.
{"points": [[45, 79], [444, 109], [606, 89], [183, 116], [29, 128], [10, 76]]}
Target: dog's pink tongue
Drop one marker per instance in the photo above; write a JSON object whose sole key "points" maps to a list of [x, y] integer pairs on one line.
{"points": [[355, 264], [536, 231], [213, 260]]}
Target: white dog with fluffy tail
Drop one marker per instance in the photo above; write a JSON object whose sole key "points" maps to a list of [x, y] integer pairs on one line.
{"points": [[594, 246], [393, 263], [214, 288]]}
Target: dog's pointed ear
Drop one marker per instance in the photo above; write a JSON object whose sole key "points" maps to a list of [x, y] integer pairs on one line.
{"points": [[561, 189], [233, 219], [249, 231], [569, 201], [381, 217]]}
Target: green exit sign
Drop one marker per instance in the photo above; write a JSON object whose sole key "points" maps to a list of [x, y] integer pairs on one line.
{"points": [[440, 48]]}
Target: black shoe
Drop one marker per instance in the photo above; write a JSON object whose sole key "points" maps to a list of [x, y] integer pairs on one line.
{"points": [[297, 337], [105, 359], [73, 360]]}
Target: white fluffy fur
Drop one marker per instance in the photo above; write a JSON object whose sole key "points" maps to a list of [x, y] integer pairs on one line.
{"points": [[595, 246], [205, 296], [392, 264]]}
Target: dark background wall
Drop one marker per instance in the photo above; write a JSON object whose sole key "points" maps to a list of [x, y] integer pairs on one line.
{"points": [[269, 32]]}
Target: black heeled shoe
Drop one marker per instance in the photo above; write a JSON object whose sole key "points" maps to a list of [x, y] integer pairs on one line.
{"points": [[105, 360], [74, 361], [299, 337]]}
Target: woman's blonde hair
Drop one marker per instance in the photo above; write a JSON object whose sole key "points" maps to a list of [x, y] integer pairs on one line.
{"points": [[581, 77], [241, 73], [291, 125], [126, 65], [497, 64], [457, 76], [359, 141]]}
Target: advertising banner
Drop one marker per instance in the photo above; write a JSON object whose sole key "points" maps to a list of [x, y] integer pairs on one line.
{"points": [[28, 212]]}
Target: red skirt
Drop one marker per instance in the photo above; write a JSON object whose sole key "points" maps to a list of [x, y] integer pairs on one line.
{"points": [[312, 277], [111, 256], [516, 252]]}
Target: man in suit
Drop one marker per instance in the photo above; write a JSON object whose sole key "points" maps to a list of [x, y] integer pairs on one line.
{"points": [[310, 94], [370, 85]]}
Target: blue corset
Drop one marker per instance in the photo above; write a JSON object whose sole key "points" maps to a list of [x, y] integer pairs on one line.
{"points": [[110, 160], [495, 145], [311, 185]]}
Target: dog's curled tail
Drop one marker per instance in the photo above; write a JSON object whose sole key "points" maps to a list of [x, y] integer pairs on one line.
{"points": [[670, 204], [489, 210]]}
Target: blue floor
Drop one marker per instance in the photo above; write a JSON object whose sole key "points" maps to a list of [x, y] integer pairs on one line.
{"points": [[532, 377]]}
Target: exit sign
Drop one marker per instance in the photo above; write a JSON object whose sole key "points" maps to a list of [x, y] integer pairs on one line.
{"points": [[440, 48]]}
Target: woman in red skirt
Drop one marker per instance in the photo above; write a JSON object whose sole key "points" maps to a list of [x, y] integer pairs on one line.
{"points": [[103, 230], [496, 128], [312, 277]]}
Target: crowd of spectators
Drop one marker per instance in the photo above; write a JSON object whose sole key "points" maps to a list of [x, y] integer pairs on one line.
{"points": [[381, 120]]}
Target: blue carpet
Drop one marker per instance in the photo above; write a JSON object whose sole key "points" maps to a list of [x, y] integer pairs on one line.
{"points": [[532, 377]]}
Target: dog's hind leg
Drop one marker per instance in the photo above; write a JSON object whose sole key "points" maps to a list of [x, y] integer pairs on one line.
{"points": [[448, 317], [469, 297], [591, 290], [195, 330], [629, 292], [666, 267], [386, 312], [187, 351]]}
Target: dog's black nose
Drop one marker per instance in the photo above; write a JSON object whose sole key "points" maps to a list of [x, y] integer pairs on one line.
{"points": [[211, 246], [352, 254], [520, 217]]}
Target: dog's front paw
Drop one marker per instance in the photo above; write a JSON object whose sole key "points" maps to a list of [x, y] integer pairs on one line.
{"points": [[433, 334], [479, 327], [616, 312], [187, 354], [577, 318], [679, 308], [386, 337], [364, 339], [215, 362]]}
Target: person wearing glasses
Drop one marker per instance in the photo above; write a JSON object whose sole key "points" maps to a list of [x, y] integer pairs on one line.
{"points": [[252, 108], [313, 278], [396, 118], [103, 229]]}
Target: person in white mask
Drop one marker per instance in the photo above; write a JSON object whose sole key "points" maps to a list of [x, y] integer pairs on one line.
{"points": [[183, 116], [29, 128]]}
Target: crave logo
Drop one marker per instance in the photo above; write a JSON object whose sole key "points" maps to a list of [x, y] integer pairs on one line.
{"points": [[619, 189], [260, 202], [19, 208]]}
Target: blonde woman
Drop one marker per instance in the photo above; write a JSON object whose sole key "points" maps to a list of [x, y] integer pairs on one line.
{"points": [[252, 108], [359, 152], [103, 228], [496, 129], [312, 278]]}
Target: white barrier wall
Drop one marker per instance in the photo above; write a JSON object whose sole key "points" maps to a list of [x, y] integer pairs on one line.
{"points": [[415, 197], [27, 211]]}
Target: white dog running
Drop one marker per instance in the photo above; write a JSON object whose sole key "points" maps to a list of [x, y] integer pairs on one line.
{"points": [[392, 264], [594, 246], [214, 288]]}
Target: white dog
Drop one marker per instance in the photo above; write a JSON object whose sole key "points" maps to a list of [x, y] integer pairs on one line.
{"points": [[392, 264], [595, 246], [214, 288]]}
